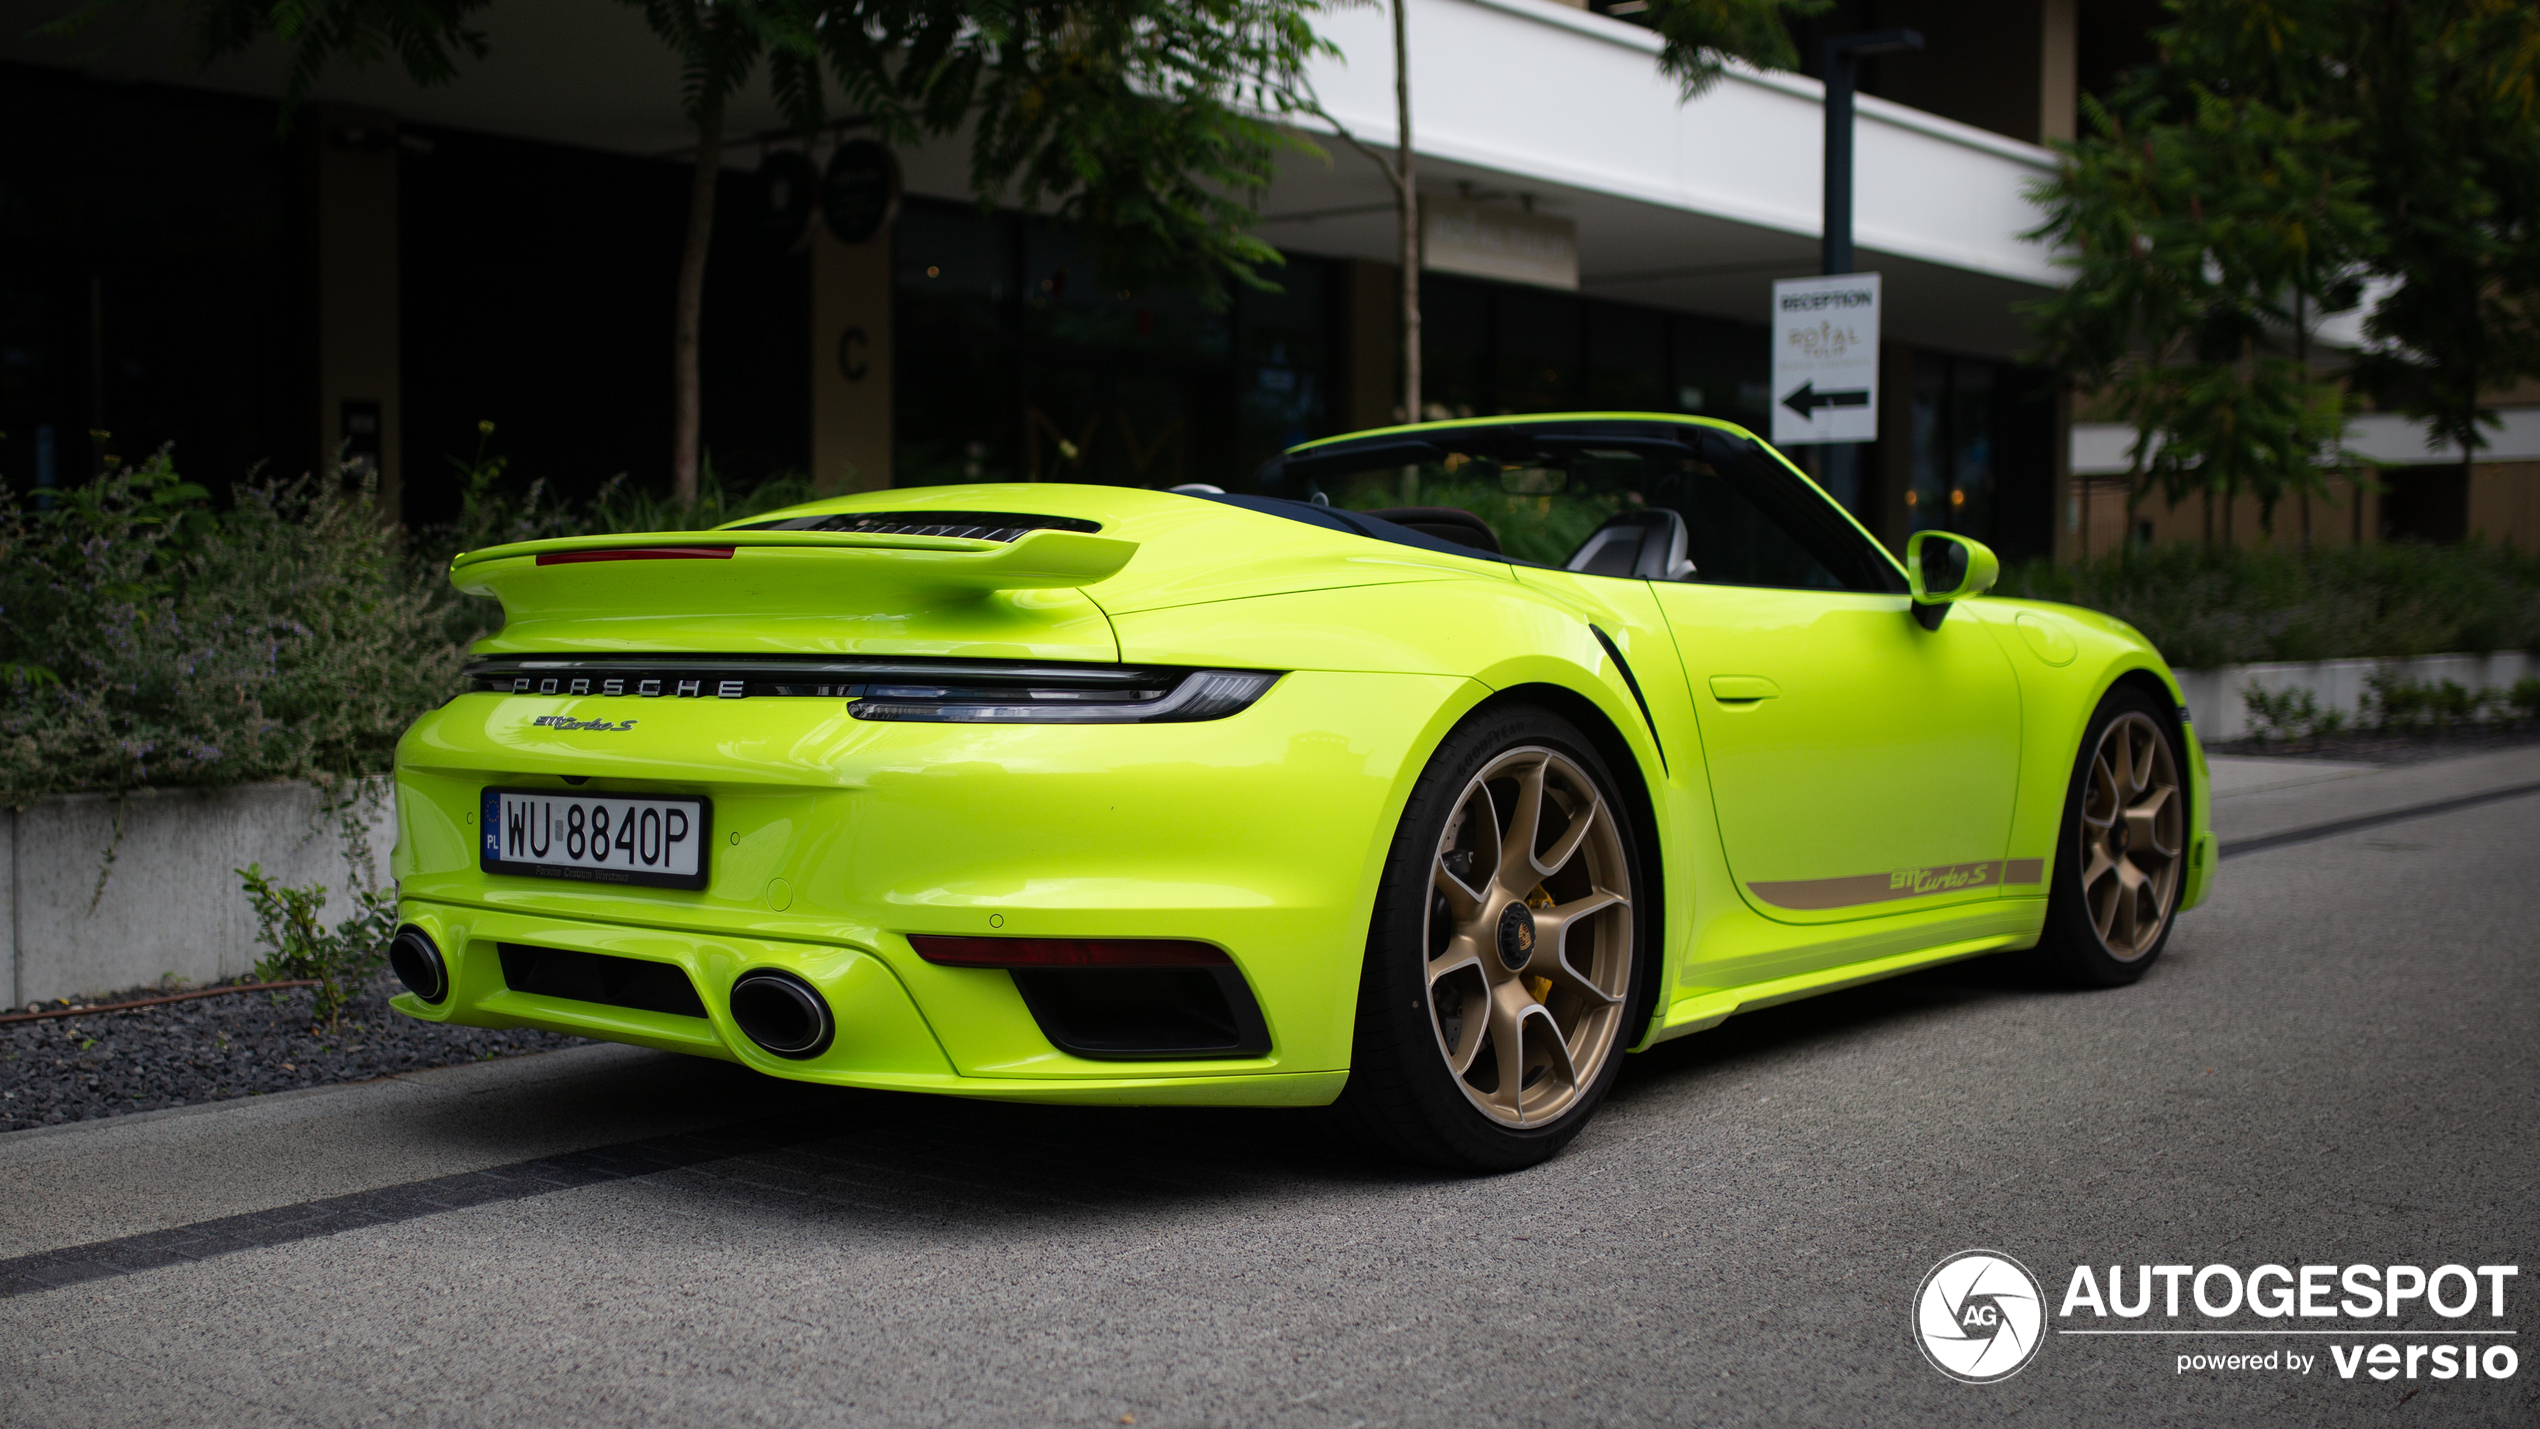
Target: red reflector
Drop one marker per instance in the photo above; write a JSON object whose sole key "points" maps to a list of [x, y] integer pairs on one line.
{"points": [[1066, 952], [637, 553]]}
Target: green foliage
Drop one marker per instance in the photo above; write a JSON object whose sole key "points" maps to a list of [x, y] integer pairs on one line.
{"points": [[2434, 106], [299, 946], [145, 641], [2202, 245], [1144, 124], [496, 511], [1701, 36], [2395, 703], [2205, 608], [2289, 714], [428, 37], [1533, 527], [2524, 697]]}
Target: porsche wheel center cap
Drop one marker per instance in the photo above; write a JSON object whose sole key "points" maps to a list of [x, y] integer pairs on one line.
{"points": [[2119, 837], [1516, 935]]}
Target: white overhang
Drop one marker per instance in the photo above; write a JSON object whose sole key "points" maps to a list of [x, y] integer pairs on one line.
{"points": [[1697, 205], [2102, 448]]}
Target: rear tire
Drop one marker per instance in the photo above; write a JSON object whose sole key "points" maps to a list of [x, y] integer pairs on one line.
{"points": [[1509, 954], [2121, 858]]}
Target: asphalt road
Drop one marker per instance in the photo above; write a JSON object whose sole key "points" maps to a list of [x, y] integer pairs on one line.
{"points": [[2335, 1063]]}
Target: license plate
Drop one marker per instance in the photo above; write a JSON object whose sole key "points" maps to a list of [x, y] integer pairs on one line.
{"points": [[602, 838]]}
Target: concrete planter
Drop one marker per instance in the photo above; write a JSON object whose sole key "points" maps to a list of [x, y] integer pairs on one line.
{"points": [[170, 905], [2213, 696]]}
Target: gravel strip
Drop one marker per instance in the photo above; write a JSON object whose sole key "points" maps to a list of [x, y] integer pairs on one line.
{"points": [[215, 1048]]}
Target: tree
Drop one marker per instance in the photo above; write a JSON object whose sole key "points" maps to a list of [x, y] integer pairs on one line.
{"points": [[2416, 125], [2203, 251], [1141, 123]]}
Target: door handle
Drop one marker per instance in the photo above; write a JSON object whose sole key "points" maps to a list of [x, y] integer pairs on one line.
{"points": [[1742, 689]]}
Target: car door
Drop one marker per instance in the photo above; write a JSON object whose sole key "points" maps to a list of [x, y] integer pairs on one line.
{"points": [[1860, 764]]}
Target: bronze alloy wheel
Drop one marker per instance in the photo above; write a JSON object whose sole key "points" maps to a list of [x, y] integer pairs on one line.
{"points": [[2133, 833], [1529, 937]]}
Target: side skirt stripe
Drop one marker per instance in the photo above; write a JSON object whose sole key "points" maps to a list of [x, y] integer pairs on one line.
{"points": [[1860, 889]]}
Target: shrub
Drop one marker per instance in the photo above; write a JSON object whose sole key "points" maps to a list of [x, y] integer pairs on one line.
{"points": [[2394, 702], [145, 642], [493, 512], [2289, 714], [2207, 608], [339, 959]]}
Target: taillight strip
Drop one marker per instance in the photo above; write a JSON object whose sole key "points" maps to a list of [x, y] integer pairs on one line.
{"points": [[637, 553]]}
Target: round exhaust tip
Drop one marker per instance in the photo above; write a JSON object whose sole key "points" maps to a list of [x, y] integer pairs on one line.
{"points": [[417, 963], [782, 1014]]}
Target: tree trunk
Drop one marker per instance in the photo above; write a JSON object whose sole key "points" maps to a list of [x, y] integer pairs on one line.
{"points": [[2302, 355], [1408, 196], [687, 402]]}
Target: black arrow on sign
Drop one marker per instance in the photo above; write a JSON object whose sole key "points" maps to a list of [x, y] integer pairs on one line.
{"points": [[1806, 399]]}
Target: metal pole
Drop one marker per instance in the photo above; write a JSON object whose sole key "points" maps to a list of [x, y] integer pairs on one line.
{"points": [[1841, 76], [1837, 244]]}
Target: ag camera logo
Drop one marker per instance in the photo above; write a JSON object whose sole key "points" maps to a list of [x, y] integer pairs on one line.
{"points": [[1980, 1316]]}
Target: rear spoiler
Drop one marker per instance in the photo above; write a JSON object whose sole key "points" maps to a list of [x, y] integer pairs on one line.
{"points": [[1039, 560]]}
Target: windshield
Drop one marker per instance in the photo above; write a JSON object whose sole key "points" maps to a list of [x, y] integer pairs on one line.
{"points": [[1543, 490]]}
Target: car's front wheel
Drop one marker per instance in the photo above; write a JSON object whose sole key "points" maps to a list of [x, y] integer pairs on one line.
{"points": [[1507, 951], [2120, 863]]}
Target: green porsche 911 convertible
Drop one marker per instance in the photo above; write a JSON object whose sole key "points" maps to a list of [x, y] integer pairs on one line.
{"points": [[1093, 794]]}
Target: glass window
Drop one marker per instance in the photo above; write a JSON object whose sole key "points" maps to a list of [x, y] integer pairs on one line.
{"points": [[1953, 449], [1627, 359], [1455, 349], [1721, 369], [1540, 351], [1545, 489]]}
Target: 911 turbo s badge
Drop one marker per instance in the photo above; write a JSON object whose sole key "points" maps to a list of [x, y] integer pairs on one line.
{"points": [[1818, 894], [569, 722]]}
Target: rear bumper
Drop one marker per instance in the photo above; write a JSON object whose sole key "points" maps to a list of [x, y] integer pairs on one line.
{"points": [[835, 840], [882, 1041]]}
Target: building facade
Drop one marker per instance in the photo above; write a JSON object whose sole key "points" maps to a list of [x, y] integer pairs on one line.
{"points": [[404, 263]]}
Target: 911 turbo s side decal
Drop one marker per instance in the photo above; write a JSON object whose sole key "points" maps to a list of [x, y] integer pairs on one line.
{"points": [[1817, 894]]}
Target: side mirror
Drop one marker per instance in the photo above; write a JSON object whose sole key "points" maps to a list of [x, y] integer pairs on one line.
{"points": [[1942, 567]]}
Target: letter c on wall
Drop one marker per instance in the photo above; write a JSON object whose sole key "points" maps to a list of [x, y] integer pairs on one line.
{"points": [[851, 345]]}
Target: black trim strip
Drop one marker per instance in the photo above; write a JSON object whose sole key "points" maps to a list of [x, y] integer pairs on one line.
{"points": [[1633, 685], [309, 1220], [973, 525], [2367, 821]]}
